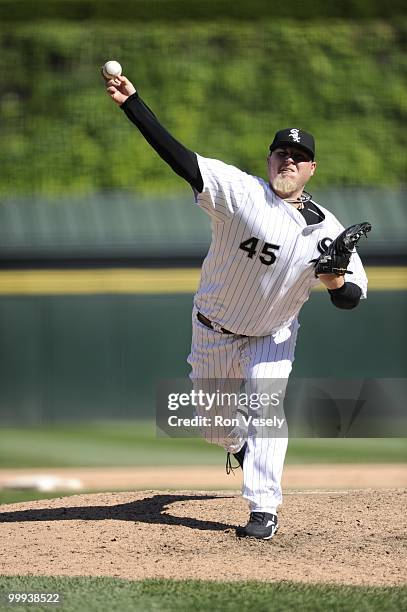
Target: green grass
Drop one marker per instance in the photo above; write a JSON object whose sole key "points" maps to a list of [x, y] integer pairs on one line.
{"points": [[109, 594], [136, 444], [99, 444], [15, 497], [356, 450]]}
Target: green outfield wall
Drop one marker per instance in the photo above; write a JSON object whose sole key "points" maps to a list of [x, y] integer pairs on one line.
{"points": [[100, 357], [176, 10], [118, 226], [222, 86]]}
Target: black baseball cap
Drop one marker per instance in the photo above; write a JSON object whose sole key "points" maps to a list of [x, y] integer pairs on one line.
{"points": [[294, 138]]}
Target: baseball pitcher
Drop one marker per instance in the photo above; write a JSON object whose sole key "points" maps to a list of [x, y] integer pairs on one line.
{"points": [[271, 244]]}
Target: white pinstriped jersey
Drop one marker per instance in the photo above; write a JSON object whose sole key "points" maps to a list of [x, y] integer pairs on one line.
{"points": [[258, 271]]}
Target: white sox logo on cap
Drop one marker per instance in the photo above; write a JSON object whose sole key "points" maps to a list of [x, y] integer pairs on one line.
{"points": [[296, 138], [294, 135]]}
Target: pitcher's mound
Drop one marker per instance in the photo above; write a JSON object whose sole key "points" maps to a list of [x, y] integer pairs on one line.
{"points": [[347, 537]]}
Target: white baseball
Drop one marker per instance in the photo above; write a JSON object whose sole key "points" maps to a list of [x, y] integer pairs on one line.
{"points": [[112, 69]]}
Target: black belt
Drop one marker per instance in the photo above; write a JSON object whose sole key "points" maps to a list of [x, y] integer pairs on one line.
{"points": [[209, 324]]}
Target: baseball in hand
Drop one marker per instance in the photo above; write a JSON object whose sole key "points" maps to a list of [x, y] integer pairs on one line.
{"points": [[112, 69]]}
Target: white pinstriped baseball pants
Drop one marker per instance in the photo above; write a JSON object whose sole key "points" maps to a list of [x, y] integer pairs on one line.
{"points": [[222, 356]]}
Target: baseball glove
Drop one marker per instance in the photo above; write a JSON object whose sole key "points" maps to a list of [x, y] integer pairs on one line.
{"points": [[336, 258]]}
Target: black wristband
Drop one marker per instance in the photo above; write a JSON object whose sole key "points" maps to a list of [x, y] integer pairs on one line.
{"points": [[347, 296]]}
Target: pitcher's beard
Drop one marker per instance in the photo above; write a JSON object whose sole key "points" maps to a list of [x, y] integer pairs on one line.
{"points": [[284, 185]]}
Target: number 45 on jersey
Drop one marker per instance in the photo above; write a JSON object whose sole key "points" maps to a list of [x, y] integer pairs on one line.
{"points": [[266, 254]]}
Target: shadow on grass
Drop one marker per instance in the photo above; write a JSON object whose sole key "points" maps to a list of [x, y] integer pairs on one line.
{"points": [[148, 510]]}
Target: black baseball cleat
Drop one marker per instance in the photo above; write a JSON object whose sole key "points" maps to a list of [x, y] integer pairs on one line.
{"points": [[261, 525], [239, 456]]}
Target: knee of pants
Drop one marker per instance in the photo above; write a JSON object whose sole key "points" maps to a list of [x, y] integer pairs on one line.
{"points": [[231, 444]]}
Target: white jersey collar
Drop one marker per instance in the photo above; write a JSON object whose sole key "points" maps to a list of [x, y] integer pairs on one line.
{"points": [[291, 210], [295, 214]]}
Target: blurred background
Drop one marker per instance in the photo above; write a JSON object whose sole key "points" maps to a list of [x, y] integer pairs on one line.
{"points": [[101, 244]]}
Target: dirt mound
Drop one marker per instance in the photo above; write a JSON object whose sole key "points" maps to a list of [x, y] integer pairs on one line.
{"points": [[347, 537]]}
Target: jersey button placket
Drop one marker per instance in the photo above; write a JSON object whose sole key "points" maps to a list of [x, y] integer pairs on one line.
{"points": [[244, 356]]}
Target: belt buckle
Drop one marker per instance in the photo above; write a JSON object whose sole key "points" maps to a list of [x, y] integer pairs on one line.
{"points": [[217, 327]]}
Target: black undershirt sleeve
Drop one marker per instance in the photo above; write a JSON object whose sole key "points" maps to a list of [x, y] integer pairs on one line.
{"points": [[183, 161], [347, 296]]}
